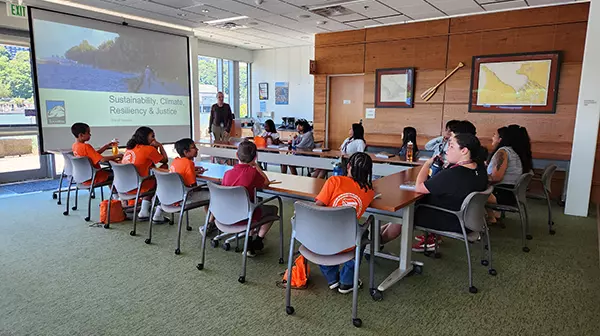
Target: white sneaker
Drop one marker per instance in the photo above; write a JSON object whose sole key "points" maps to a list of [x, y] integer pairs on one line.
{"points": [[334, 285]]}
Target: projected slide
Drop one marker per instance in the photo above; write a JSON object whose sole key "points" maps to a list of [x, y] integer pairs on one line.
{"points": [[108, 75]]}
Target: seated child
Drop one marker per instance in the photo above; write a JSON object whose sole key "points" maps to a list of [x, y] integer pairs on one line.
{"points": [[356, 190], [80, 148], [248, 173]]}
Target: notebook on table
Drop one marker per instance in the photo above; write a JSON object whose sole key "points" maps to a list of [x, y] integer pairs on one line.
{"points": [[384, 155], [409, 185], [321, 150]]}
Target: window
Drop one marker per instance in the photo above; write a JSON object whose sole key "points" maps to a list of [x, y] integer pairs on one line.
{"points": [[16, 91], [207, 90], [243, 88], [227, 65]]}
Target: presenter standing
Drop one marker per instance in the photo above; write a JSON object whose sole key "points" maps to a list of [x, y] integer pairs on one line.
{"points": [[221, 119]]}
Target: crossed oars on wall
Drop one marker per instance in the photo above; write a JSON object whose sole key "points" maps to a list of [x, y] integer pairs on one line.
{"points": [[432, 90]]}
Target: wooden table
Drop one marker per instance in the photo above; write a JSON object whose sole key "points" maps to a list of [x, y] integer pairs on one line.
{"points": [[393, 202]]}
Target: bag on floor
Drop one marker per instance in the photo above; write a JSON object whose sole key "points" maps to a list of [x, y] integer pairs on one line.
{"points": [[116, 211], [300, 273]]}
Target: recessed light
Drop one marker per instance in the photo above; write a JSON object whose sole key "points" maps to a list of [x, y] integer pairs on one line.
{"points": [[235, 18], [304, 16], [205, 10], [320, 23], [181, 14]]}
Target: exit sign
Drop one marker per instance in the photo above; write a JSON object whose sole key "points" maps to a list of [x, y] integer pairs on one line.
{"points": [[15, 10]]}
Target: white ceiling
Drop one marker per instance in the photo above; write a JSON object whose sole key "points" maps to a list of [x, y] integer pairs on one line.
{"points": [[283, 23]]}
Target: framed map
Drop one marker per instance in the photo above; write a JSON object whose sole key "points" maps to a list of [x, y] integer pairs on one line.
{"points": [[395, 87], [515, 83]]}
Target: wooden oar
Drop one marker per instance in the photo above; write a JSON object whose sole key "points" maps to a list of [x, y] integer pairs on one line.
{"points": [[432, 90]]}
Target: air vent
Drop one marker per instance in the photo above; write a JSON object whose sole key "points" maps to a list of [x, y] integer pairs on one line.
{"points": [[230, 26], [333, 11]]}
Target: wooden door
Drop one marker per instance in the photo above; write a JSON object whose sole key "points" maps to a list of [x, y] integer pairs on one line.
{"points": [[345, 106]]}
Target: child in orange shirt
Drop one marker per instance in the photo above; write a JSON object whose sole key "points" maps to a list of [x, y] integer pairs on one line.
{"points": [[353, 190], [144, 152], [80, 148]]}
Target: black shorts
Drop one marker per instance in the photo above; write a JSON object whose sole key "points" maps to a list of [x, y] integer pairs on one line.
{"points": [[505, 197]]}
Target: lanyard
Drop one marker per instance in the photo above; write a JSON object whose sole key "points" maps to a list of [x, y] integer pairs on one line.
{"points": [[460, 163]]}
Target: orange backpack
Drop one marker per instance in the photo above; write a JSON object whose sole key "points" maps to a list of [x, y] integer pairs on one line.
{"points": [[300, 273], [116, 211]]}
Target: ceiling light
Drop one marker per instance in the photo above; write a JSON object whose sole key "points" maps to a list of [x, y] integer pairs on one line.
{"points": [[181, 14], [118, 14], [320, 23], [205, 10], [226, 19], [338, 3]]}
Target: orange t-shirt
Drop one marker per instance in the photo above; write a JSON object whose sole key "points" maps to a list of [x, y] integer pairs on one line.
{"points": [[186, 168], [344, 191], [81, 149], [143, 158]]}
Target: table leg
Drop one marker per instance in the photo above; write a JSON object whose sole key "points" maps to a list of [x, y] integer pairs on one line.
{"points": [[404, 265]]}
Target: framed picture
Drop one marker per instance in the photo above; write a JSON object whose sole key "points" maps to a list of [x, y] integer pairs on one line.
{"points": [[263, 91], [515, 83], [395, 87], [282, 93]]}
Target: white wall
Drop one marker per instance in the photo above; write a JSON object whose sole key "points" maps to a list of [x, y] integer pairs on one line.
{"points": [[285, 65], [212, 49]]}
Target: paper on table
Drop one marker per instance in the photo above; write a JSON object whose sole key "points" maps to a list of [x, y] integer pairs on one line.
{"points": [[410, 185], [273, 146]]}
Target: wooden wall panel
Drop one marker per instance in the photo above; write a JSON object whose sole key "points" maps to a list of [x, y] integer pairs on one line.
{"points": [[337, 38], [346, 59], [426, 118], [409, 30], [320, 89], [421, 53], [521, 18]]}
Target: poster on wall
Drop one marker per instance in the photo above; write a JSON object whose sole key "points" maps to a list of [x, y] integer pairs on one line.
{"points": [[263, 91], [395, 87], [515, 83], [282, 93]]}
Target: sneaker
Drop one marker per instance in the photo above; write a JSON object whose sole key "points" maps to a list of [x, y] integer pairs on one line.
{"points": [[422, 237], [334, 285], [420, 246], [161, 220], [345, 289], [250, 253], [257, 244]]}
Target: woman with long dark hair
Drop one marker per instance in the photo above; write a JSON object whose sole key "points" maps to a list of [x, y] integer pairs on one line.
{"points": [[446, 189], [304, 140], [270, 133], [510, 159], [353, 144], [409, 134]]}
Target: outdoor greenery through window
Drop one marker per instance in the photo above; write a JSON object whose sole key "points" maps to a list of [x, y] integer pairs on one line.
{"points": [[16, 91], [243, 80]]}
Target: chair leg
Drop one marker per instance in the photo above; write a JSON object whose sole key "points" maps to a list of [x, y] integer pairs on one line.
{"points": [[66, 213], [491, 269], [60, 182], [280, 231], [200, 265], [550, 220], [102, 193], [89, 210], [110, 194], [242, 277], [528, 235], [135, 215], [76, 198], [288, 288], [149, 239], [376, 294], [178, 248], [355, 320], [523, 228], [187, 221], [472, 289]]}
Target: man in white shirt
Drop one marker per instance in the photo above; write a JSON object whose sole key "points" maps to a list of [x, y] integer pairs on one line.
{"points": [[439, 145]]}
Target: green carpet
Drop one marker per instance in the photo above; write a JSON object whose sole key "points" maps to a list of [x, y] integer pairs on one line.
{"points": [[60, 277]]}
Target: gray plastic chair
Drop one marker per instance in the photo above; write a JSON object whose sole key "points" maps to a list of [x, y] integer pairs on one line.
{"points": [[172, 197], [323, 233], [520, 192], [66, 173], [83, 171], [471, 216], [233, 212], [546, 181], [127, 179]]}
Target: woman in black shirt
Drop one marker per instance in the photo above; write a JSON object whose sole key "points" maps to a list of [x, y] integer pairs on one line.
{"points": [[448, 188]]}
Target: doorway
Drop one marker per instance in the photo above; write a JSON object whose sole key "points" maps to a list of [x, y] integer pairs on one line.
{"points": [[345, 107]]}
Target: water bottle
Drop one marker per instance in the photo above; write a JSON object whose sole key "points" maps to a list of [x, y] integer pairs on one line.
{"points": [[409, 152], [337, 169], [436, 166], [115, 147]]}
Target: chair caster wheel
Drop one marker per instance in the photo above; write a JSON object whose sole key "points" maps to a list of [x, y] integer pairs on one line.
{"points": [[357, 322], [200, 267], [170, 222], [552, 232], [418, 269], [147, 241], [472, 289], [54, 196], [189, 228], [376, 295], [242, 279], [493, 272], [58, 203], [529, 237], [214, 243], [485, 262], [87, 219], [66, 213], [177, 251], [525, 249], [226, 246], [280, 261], [74, 208], [132, 233], [289, 310], [106, 226]]}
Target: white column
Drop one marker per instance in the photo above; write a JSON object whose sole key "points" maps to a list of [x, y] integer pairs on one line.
{"points": [[586, 122], [195, 108]]}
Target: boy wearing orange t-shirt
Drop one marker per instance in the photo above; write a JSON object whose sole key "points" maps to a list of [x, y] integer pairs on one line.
{"points": [[353, 190], [82, 134]]}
